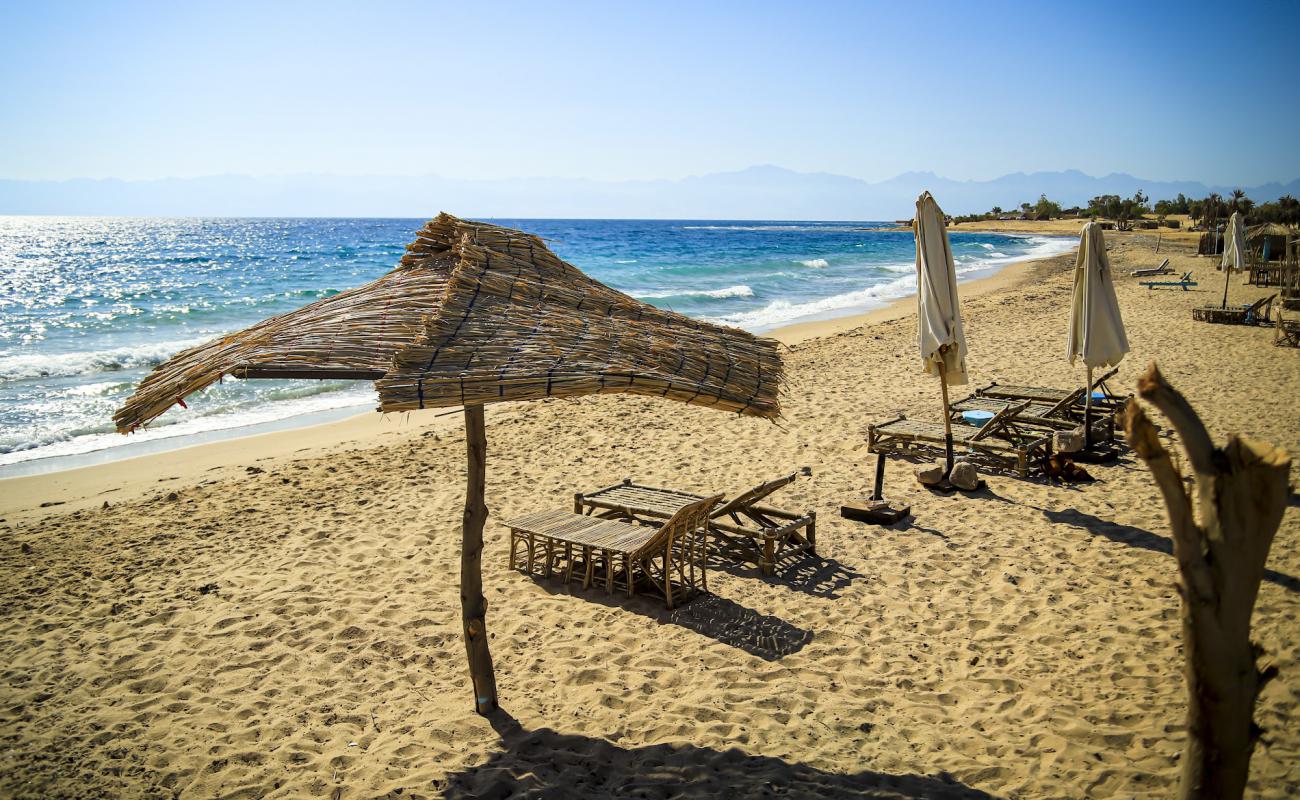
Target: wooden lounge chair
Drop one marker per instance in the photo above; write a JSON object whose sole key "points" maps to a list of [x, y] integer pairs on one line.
{"points": [[1255, 313], [1286, 332], [740, 527], [1109, 401], [1182, 282], [1163, 269], [999, 441], [616, 554], [1064, 415]]}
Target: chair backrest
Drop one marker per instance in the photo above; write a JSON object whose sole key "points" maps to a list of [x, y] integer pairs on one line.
{"points": [[688, 519], [752, 496], [1163, 264], [1000, 421]]}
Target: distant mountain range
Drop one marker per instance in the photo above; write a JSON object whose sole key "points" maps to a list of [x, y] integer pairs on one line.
{"points": [[762, 192]]}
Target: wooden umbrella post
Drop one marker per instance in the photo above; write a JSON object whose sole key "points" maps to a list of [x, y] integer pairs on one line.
{"points": [[1227, 276], [473, 606], [947, 416]]}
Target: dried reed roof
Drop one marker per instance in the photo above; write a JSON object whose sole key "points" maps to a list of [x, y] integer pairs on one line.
{"points": [[1270, 229], [477, 313]]}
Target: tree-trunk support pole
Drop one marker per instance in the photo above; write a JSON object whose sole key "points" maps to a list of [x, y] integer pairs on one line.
{"points": [[473, 606], [1240, 492]]}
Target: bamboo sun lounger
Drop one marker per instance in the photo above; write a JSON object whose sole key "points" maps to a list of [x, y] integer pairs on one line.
{"points": [[1182, 282], [1255, 313], [740, 527], [615, 554], [1163, 269], [1287, 331], [1062, 416], [1109, 401], [1000, 441]]}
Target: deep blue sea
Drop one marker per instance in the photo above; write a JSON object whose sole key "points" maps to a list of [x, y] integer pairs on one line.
{"points": [[89, 305]]}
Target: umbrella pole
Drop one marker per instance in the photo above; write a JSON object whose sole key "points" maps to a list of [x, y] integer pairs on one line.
{"points": [[1087, 412], [473, 607], [947, 421], [1227, 276]]}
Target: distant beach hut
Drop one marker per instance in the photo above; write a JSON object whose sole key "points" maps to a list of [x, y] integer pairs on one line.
{"points": [[940, 336], [1234, 251], [1273, 240], [477, 314], [1096, 329]]}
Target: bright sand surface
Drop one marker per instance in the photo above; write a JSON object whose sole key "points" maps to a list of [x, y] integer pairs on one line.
{"points": [[287, 624]]}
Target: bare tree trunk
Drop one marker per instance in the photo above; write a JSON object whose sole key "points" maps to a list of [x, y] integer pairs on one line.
{"points": [[473, 606], [1241, 491]]}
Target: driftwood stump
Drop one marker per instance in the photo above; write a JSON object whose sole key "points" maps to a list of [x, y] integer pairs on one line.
{"points": [[1240, 492], [473, 606]]}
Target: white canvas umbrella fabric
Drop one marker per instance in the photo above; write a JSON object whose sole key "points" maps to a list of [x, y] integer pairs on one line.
{"points": [[938, 311], [1234, 249], [1096, 328]]}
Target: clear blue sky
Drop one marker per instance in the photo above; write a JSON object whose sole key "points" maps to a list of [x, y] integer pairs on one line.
{"points": [[660, 90]]}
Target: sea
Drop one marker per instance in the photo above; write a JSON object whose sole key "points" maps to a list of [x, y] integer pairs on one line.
{"points": [[89, 305]]}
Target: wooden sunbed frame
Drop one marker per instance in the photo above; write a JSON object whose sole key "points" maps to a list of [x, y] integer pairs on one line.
{"points": [[997, 441], [1060, 416], [617, 554], [1286, 332], [1110, 402], [740, 527], [1163, 269], [1184, 282], [1255, 313]]}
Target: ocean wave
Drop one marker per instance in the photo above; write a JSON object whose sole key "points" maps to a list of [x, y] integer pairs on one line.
{"points": [[25, 366], [730, 291], [765, 228], [781, 312], [815, 263], [986, 245], [94, 433]]}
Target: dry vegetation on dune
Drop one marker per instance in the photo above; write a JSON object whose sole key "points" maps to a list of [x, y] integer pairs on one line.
{"points": [[293, 630]]}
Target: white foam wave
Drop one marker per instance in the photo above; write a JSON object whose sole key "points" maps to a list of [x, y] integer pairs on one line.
{"points": [[730, 291], [781, 312], [986, 245], [815, 263], [62, 440], [38, 365]]}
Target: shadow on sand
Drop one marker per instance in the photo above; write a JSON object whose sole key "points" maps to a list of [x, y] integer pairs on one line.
{"points": [[722, 620], [1139, 537], [813, 575], [544, 763]]}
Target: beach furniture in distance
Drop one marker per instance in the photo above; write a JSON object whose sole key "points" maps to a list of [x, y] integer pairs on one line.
{"points": [[1286, 332], [740, 527], [1255, 313], [615, 554], [1183, 282], [1163, 269], [1000, 441]]}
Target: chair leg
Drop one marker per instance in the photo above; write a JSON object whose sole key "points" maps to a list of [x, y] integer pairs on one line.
{"points": [[589, 565], [514, 541], [668, 581], [568, 558], [550, 556], [609, 572], [532, 550], [627, 573]]}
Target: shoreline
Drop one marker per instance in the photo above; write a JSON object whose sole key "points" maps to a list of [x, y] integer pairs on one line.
{"points": [[83, 486]]}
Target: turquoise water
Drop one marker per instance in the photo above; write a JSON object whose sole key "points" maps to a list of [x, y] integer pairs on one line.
{"points": [[89, 305]]}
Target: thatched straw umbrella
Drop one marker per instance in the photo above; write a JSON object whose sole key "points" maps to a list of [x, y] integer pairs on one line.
{"points": [[478, 314]]}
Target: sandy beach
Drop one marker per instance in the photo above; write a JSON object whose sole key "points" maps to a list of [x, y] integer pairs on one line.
{"points": [[278, 616]]}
